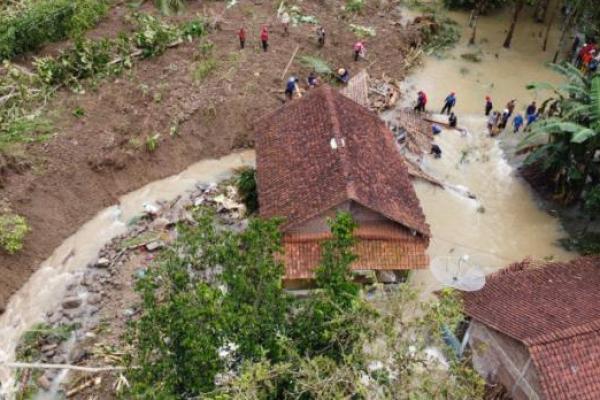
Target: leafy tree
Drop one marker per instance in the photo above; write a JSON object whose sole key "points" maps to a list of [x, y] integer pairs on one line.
{"points": [[246, 185], [571, 124], [216, 324]]}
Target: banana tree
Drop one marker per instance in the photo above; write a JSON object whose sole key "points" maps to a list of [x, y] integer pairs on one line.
{"points": [[570, 127]]}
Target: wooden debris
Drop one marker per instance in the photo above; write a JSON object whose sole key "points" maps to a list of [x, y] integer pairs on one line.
{"points": [[91, 382], [19, 365]]}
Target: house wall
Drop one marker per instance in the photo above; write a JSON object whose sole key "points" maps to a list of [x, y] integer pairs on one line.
{"points": [[361, 215], [500, 358]]}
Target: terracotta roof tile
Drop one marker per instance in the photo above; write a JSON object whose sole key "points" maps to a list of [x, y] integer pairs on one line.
{"points": [[378, 247], [300, 175], [554, 309]]}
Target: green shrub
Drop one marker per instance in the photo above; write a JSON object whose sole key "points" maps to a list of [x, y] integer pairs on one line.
{"points": [[204, 69], [47, 21], [246, 185], [153, 36], [13, 229], [354, 5], [152, 143]]}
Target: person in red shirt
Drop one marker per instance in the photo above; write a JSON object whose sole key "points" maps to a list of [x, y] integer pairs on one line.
{"points": [[264, 37], [359, 48], [242, 36]]}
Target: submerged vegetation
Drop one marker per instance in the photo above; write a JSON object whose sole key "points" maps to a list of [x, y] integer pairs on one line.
{"points": [[217, 324]]}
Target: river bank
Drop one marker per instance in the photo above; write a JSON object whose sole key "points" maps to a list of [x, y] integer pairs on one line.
{"points": [[503, 224], [100, 153]]}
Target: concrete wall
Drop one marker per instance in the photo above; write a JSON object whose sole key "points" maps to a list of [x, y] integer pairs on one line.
{"points": [[500, 358]]}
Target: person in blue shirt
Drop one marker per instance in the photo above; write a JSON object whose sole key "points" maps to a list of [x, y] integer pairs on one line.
{"points": [[517, 122], [312, 80], [290, 87], [343, 75], [449, 103], [435, 129]]}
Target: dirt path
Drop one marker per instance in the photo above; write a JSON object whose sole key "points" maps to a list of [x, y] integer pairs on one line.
{"points": [[97, 158]]}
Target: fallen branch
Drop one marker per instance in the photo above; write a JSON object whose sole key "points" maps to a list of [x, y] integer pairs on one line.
{"points": [[19, 365], [289, 62], [138, 53], [92, 382]]}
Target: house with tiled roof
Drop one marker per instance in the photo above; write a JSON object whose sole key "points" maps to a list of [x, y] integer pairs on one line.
{"points": [[536, 329], [325, 153]]}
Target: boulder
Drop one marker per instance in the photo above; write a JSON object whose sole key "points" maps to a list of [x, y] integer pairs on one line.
{"points": [[71, 302], [386, 277], [102, 262]]}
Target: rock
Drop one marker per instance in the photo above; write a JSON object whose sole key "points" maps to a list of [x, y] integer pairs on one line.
{"points": [[161, 223], [71, 302], [155, 245], [364, 275], [386, 276], [44, 383], [94, 299], [59, 359], [129, 312], [77, 355], [102, 262], [48, 347]]}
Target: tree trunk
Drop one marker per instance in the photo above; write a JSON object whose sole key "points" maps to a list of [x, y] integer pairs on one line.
{"points": [[519, 4], [541, 10], [476, 12], [565, 28], [549, 28]]}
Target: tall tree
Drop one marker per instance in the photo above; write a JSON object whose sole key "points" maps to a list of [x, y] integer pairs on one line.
{"points": [[549, 28], [477, 10], [519, 5], [541, 9]]}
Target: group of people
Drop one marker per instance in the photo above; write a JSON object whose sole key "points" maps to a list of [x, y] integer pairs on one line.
{"points": [[585, 55], [498, 121], [263, 35]]}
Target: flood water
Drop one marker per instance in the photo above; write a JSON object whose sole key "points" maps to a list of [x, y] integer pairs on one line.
{"points": [[503, 224], [44, 290]]}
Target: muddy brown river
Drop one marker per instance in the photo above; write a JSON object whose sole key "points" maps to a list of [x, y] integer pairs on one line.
{"points": [[502, 225]]}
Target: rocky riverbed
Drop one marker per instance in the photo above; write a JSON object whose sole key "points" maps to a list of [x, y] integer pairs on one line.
{"points": [[88, 327]]}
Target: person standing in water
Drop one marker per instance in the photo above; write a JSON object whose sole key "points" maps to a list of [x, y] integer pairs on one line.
{"points": [[510, 106], [421, 101], [452, 120], [449, 103], [488, 105], [517, 123]]}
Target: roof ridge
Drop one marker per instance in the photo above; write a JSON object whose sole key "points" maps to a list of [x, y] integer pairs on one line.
{"points": [[341, 142], [564, 333]]}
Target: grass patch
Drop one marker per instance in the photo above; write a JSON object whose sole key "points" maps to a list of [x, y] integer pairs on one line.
{"points": [[204, 68], [471, 57], [26, 130], [13, 228]]}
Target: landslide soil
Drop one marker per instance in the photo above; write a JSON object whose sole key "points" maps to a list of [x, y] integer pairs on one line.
{"points": [[92, 160]]}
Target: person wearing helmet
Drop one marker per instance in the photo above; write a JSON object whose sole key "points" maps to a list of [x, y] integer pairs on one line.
{"points": [[449, 103], [343, 75], [291, 87], [488, 105], [421, 101]]}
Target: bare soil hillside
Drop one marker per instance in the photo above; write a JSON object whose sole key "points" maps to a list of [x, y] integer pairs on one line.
{"points": [[94, 159]]}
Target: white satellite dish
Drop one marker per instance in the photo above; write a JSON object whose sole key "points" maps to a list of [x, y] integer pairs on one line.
{"points": [[459, 274]]}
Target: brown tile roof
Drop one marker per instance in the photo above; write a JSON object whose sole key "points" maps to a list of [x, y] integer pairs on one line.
{"points": [[378, 247], [300, 175], [555, 311]]}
